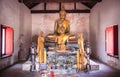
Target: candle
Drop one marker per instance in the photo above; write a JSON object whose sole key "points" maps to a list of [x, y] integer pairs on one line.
{"points": [[52, 74]]}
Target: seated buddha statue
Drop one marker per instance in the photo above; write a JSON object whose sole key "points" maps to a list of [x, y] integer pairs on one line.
{"points": [[62, 27], [61, 30]]}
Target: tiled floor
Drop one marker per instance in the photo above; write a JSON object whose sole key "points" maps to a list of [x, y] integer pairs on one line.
{"points": [[104, 71]]}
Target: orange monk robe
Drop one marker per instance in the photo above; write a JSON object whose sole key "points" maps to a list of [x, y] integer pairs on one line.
{"points": [[40, 49]]}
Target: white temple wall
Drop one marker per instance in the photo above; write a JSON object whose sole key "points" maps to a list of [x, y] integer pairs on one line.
{"points": [[104, 14], [17, 16]]}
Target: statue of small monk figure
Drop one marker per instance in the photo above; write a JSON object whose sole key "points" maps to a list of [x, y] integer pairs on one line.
{"points": [[81, 51], [40, 47]]}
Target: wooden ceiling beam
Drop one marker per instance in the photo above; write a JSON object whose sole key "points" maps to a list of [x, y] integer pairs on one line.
{"points": [[89, 5], [62, 1], [32, 3], [57, 11]]}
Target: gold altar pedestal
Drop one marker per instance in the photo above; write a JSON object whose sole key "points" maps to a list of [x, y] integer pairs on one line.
{"points": [[72, 38], [52, 48], [50, 38], [62, 47], [61, 51]]}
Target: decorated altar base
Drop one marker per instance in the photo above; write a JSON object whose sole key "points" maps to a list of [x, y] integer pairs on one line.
{"points": [[72, 75], [63, 71], [58, 62], [59, 73]]}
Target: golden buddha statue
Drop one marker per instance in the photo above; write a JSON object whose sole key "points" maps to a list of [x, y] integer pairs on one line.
{"points": [[61, 31], [62, 25]]}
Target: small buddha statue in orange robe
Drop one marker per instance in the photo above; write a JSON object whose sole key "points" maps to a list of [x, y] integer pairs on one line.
{"points": [[81, 51], [40, 47]]}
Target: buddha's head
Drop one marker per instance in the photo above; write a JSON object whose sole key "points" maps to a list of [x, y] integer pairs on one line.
{"points": [[41, 33], [80, 35], [62, 13]]}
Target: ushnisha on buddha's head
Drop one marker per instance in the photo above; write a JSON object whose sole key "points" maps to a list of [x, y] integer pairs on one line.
{"points": [[62, 13]]}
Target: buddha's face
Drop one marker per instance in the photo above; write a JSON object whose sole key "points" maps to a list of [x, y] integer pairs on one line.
{"points": [[62, 15], [41, 34], [80, 35]]}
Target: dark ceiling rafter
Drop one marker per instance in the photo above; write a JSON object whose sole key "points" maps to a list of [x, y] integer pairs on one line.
{"points": [[56, 11], [60, 6], [39, 1], [32, 3], [29, 3], [89, 5]]}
